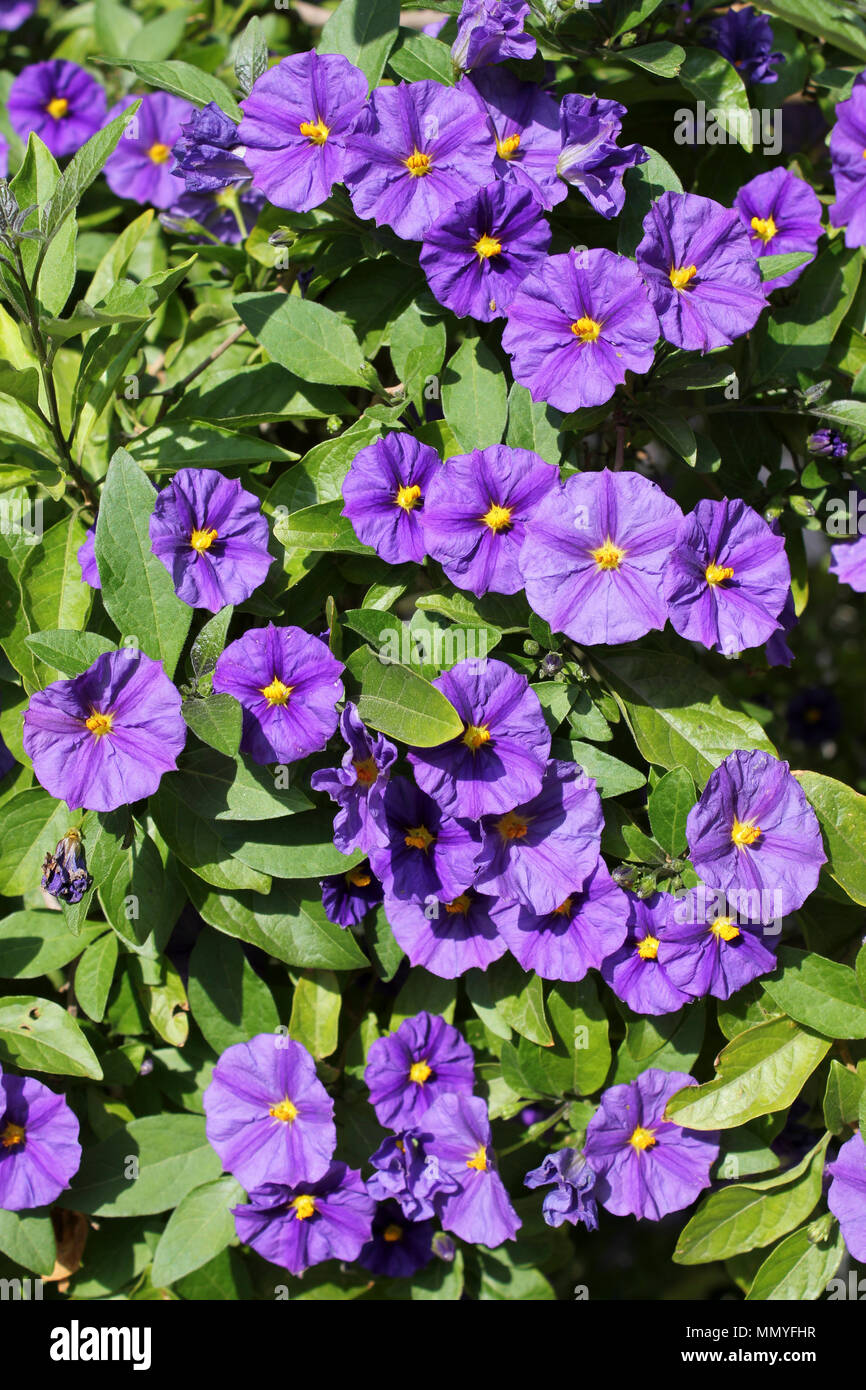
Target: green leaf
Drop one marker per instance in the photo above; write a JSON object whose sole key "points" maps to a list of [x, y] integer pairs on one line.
{"points": [[819, 993], [71, 653], [227, 789], [400, 703], [711, 78], [137, 589], [309, 340], [34, 943], [828, 20], [422, 57], [761, 1071], [50, 266], [94, 975], [674, 431], [315, 1019], [198, 1229], [842, 814], [643, 185], [799, 1269], [302, 847], [663, 59], [364, 32], [580, 1026], [228, 1000], [54, 595], [771, 266], [612, 776], [842, 1097], [668, 807], [473, 395], [321, 527], [797, 338], [27, 1237], [515, 997], [217, 720], [37, 1035], [534, 425], [83, 168], [197, 843], [251, 55], [184, 80], [146, 1167]]}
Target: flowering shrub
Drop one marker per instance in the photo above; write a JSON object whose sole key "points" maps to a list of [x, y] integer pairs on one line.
{"points": [[432, 821]]}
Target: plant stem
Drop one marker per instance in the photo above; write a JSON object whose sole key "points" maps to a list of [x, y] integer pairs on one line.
{"points": [[181, 386], [534, 1134]]}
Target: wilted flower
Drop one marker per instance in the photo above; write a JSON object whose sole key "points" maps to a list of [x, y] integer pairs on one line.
{"points": [[590, 158], [64, 873], [573, 1181]]}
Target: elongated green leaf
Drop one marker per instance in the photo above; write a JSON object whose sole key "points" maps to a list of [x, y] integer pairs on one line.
{"points": [[842, 813], [27, 1237], [33, 943], [184, 80], [828, 20], [400, 703], [198, 844], [712, 78], [68, 652], [321, 527], [515, 998], [147, 1166], [474, 395], [421, 57], [229, 1001], [799, 1269], [94, 975], [32, 823], [198, 1229], [798, 338], [309, 340], [819, 993], [37, 1035], [228, 789], [364, 32], [315, 1019], [668, 807]]}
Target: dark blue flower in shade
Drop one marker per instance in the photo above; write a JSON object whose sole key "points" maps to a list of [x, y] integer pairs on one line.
{"points": [[399, 1248], [64, 873], [590, 158], [209, 153], [814, 715], [456, 1134], [304, 1225], [745, 38], [229, 214], [489, 31], [86, 555], [425, 1058], [347, 898], [358, 784], [573, 1181], [828, 443], [404, 1172]]}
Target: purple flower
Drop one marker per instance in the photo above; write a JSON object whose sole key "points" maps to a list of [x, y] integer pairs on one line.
{"points": [[4, 156], [697, 261], [427, 853], [384, 492], [456, 1133], [577, 325], [407, 1070], [14, 13], [142, 166], [814, 715], [594, 554], [269, 1117], [417, 151], [59, 102], [212, 538], [564, 944], [398, 1248], [782, 214], [545, 848], [209, 153], [776, 651], [64, 873], [848, 563], [707, 950], [105, 738], [39, 1148], [754, 835], [727, 577], [489, 31], [573, 1181], [500, 757], [86, 555], [446, 937], [229, 214], [590, 158], [524, 126], [483, 248], [478, 508], [828, 443], [847, 143], [745, 38], [358, 784], [406, 1174], [347, 898], [297, 1225], [647, 1166], [298, 124], [289, 685], [634, 971], [847, 1195]]}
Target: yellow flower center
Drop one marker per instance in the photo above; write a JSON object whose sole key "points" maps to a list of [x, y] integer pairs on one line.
{"points": [[478, 1160], [276, 693], [586, 329], [765, 228], [716, 573], [475, 735], [497, 518], [459, 907], [512, 826], [507, 148], [648, 948], [744, 833], [12, 1135], [487, 246], [366, 771], [202, 540], [563, 909], [99, 724], [419, 837], [392, 1233], [608, 556], [724, 929], [680, 276], [358, 878], [316, 131], [419, 164], [159, 153], [408, 497], [284, 1111], [420, 1072], [642, 1138], [57, 108], [305, 1206]]}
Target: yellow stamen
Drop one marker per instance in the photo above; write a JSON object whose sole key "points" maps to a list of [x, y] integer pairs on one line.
{"points": [[478, 1160], [316, 131], [765, 228], [487, 246], [680, 276], [459, 907], [408, 497], [202, 540], [419, 837], [366, 771], [420, 1072], [497, 518], [563, 909], [284, 1111], [475, 735], [586, 329], [276, 693], [608, 556], [12, 1135], [159, 153], [716, 573], [642, 1138], [419, 164], [507, 148], [744, 833], [305, 1207], [724, 928], [57, 108], [392, 1233], [358, 878], [512, 826], [99, 724], [648, 948]]}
